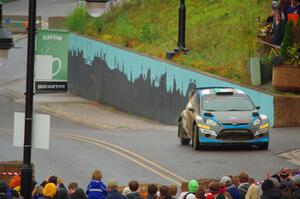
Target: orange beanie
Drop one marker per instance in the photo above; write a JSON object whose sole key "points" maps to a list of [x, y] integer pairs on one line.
{"points": [[15, 181]]}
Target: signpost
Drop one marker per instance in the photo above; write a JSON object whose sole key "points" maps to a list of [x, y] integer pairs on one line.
{"points": [[51, 61]]}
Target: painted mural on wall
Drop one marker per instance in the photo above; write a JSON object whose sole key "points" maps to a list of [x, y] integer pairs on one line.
{"points": [[139, 84]]}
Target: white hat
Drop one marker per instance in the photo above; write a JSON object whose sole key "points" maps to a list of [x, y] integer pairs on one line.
{"points": [[275, 4], [226, 180]]}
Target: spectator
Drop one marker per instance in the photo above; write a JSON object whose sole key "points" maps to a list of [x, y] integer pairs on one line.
{"points": [[134, 194], [285, 177], [193, 186], [294, 8], [152, 191], [283, 5], [173, 190], [253, 192], [126, 191], [285, 191], [78, 194], [277, 31], [15, 185], [113, 192], [49, 191], [37, 192], [217, 190], [96, 189], [200, 193], [243, 184], [269, 191], [3, 190], [230, 188], [296, 187], [72, 187], [164, 192], [184, 189], [61, 194]]}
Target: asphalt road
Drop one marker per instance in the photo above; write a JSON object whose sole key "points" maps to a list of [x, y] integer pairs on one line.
{"points": [[145, 155]]}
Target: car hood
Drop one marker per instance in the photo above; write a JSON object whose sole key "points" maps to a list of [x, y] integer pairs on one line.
{"points": [[233, 117]]}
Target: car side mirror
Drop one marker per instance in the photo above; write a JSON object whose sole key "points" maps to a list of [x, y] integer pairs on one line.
{"points": [[257, 107], [192, 110]]}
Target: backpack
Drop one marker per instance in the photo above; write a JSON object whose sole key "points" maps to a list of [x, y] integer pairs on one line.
{"points": [[184, 197]]}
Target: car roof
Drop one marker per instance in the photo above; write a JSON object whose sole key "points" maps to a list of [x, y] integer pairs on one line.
{"points": [[218, 91]]}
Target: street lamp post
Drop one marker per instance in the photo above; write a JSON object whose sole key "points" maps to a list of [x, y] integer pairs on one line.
{"points": [[181, 27], [181, 47], [26, 169]]}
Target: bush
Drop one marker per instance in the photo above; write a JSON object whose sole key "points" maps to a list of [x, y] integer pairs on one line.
{"points": [[78, 20]]}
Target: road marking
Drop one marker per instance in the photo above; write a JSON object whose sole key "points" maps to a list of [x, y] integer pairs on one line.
{"points": [[138, 159], [174, 178]]}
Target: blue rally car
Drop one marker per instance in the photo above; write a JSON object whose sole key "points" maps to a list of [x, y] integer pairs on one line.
{"points": [[220, 116]]}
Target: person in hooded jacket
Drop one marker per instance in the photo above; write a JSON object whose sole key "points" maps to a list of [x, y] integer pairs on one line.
{"points": [[134, 187], [96, 189]]}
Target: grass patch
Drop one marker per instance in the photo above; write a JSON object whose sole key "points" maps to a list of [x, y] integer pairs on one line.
{"points": [[221, 34]]}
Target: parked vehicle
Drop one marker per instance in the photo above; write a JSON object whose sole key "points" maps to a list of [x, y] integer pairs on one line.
{"points": [[222, 116]]}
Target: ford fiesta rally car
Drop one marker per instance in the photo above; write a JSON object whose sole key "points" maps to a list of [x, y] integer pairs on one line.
{"points": [[219, 116]]}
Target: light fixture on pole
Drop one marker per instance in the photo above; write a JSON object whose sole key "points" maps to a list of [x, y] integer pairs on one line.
{"points": [[26, 169], [6, 41], [181, 28], [95, 7]]}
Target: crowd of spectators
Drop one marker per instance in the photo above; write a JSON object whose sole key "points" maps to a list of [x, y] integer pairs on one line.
{"points": [[281, 10], [284, 184]]}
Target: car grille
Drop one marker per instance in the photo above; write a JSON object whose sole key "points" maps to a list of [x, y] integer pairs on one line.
{"points": [[235, 134]]}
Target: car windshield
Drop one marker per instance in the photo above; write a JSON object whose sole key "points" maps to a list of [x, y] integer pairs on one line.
{"points": [[226, 103]]}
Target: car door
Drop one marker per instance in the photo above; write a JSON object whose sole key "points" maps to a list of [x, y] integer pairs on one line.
{"points": [[192, 111]]}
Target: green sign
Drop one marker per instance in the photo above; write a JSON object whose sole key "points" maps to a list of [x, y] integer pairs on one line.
{"points": [[51, 59]]}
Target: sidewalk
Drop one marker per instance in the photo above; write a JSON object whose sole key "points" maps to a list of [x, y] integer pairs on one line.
{"points": [[79, 110]]}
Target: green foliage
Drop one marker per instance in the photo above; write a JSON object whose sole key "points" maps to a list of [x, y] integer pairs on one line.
{"points": [[293, 55], [148, 33], [221, 34], [97, 24], [287, 39], [78, 20]]}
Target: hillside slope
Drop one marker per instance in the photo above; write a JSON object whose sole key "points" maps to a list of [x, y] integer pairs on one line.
{"points": [[221, 34]]}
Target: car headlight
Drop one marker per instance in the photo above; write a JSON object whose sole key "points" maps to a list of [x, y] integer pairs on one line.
{"points": [[256, 122], [266, 125], [210, 122]]}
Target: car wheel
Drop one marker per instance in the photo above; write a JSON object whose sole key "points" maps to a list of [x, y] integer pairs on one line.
{"points": [[181, 132], [196, 144], [264, 145]]}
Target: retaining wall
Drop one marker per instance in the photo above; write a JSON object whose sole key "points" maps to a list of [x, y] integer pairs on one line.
{"points": [[139, 84]]}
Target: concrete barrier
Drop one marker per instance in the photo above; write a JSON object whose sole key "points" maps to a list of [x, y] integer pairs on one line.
{"points": [[139, 84]]}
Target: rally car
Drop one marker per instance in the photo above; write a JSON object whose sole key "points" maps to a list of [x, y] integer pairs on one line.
{"points": [[220, 116]]}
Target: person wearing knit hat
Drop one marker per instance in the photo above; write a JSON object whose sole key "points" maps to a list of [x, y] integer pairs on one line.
{"points": [[193, 186], [50, 190], [230, 188], [15, 181]]}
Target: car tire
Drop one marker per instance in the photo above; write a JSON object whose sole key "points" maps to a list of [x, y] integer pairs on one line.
{"points": [[196, 143], [264, 146], [181, 132]]}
